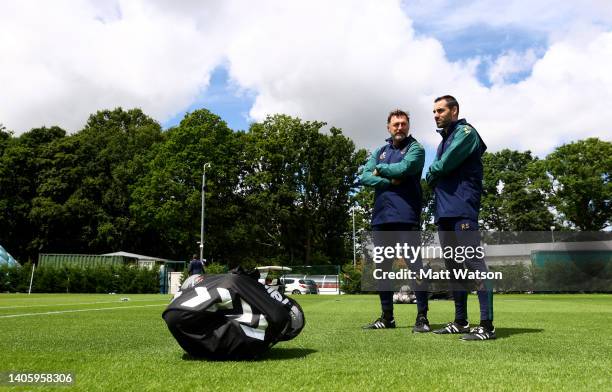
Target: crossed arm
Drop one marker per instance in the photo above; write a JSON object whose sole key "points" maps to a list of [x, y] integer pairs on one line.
{"points": [[384, 174]]}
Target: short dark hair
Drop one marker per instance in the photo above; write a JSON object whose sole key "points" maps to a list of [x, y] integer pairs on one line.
{"points": [[451, 102], [397, 113]]}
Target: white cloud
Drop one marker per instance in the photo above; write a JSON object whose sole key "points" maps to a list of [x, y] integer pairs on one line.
{"points": [[348, 67], [379, 64], [344, 62], [62, 60], [511, 63], [564, 99], [550, 16]]}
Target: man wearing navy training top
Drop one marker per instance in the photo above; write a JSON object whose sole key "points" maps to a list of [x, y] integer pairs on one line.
{"points": [[394, 171], [456, 177]]}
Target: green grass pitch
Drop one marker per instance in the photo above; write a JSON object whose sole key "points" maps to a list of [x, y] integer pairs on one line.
{"points": [[545, 342]]}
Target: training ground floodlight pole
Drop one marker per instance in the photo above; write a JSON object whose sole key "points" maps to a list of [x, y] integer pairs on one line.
{"points": [[552, 233], [354, 257], [202, 215]]}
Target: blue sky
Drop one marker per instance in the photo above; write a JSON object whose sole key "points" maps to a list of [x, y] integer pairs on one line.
{"points": [[528, 75], [480, 41], [224, 99], [221, 98], [487, 42]]}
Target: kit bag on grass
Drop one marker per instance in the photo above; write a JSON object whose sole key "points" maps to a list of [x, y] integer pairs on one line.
{"points": [[231, 316]]}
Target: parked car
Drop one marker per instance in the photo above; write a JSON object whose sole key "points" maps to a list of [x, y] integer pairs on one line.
{"points": [[299, 286], [269, 276]]}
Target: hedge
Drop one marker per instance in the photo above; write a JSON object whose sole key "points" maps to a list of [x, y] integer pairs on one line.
{"points": [[73, 279]]}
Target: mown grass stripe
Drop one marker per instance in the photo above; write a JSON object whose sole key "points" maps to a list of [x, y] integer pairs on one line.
{"points": [[76, 310], [75, 303]]}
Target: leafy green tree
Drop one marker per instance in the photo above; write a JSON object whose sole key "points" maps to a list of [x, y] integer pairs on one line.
{"points": [[512, 198], [428, 209], [579, 176], [22, 163], [167, 200], [297, 188], [82, 205], [363, 203], [5, 136]]}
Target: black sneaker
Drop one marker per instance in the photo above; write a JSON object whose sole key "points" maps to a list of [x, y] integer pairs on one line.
{"points": [[453, 328], [421, 325], [479, 333], [380, 323]]}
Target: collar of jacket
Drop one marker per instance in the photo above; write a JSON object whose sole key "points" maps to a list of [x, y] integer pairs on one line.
{"points": [[451, 127], [403, 144]]}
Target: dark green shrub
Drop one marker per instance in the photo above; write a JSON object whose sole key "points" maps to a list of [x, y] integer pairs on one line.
{"points": [[216, 268], [351, 282], [76, 279]]}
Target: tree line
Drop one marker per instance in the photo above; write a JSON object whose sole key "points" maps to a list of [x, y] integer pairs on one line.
{"points": [[279, 193]]}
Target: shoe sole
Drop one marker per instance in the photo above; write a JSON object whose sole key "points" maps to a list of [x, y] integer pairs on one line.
{"points": [[367, 327], [417, 331], [476, 340], [450, 333], [443, 331], [376, 329]]}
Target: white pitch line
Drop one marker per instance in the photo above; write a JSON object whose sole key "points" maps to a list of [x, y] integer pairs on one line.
{"points": [[518, 300], [77, 310], [75, 303]]}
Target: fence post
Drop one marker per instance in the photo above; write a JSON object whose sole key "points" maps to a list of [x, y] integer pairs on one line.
{"points": [[31, 279]]}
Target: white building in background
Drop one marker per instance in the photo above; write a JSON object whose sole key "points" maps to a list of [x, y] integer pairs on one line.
{"points": [[521, 253], [142, 260]]}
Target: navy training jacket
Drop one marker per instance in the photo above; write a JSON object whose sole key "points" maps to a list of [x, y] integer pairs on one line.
{"points": [[458, 191], [399, 203]]}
